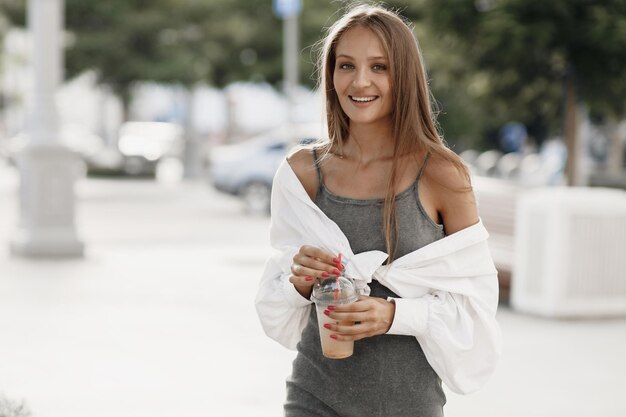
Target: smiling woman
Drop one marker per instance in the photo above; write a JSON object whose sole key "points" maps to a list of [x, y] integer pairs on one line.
{"points": [[386, 204], [361, 78]]}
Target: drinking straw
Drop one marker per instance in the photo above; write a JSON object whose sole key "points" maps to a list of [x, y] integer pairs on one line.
{"points": [[338, 265]]}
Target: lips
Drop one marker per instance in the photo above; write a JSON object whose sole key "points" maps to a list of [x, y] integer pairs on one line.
{"points": [[363, 99]]}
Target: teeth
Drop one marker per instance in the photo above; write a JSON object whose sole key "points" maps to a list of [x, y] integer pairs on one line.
{"points": [[363, 99]]}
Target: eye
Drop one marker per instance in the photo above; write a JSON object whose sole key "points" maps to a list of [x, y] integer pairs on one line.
{"points": [[345, 66], [379, 67]]}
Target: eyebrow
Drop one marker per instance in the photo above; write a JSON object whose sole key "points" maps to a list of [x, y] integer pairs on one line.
{"points": [[371, 58]]}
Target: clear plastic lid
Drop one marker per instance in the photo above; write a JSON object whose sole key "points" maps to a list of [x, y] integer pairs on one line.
{"points": [[334, 290]]}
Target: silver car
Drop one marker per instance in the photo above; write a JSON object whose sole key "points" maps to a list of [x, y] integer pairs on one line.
{"points": [[246, 169]]}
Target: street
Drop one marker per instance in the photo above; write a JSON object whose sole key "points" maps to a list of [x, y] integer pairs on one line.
{"points": [[158, 320]]}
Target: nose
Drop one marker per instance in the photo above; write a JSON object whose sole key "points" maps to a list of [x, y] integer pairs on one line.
{"points": [[361, 78]]}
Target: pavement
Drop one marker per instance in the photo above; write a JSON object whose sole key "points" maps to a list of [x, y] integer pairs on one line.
{"points": [[158, 320]]}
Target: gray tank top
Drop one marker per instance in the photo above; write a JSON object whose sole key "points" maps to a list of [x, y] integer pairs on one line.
{"points": [[387, 375]]}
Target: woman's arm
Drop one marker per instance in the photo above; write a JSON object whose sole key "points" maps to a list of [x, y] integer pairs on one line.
{"points": [[452, 195], [310, 262], [303, 166]]}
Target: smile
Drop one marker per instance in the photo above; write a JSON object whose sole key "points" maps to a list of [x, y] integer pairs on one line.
{"points": [[363, 99]]}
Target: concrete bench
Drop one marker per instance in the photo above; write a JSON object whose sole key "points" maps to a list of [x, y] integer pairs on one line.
{"points": [[497, 201]]}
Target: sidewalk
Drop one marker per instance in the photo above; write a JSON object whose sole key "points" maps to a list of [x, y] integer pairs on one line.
{"points": [[158, 320]]}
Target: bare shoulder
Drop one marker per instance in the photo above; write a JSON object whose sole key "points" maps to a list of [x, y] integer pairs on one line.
{"points": [[446, 173], [303, 165], [453, 192]]}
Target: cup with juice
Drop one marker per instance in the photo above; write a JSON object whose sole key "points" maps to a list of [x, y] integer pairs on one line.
{"points": [[335, 290]]}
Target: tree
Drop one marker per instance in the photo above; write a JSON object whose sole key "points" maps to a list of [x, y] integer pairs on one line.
{"points": [[115, 38], [538, 60], [178, 41]]}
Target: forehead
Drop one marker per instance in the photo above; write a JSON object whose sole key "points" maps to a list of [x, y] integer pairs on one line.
{"points": [[360, 41]]}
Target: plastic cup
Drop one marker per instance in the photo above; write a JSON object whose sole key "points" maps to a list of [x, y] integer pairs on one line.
{"points": [[333, 291]]}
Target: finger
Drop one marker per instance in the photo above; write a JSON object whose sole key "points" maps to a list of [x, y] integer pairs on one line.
{"points": [[302, 280], [356, 331], [359, 305], [348, 337], [350, 329], [361, 316], [320, 254], [315, 263], [301, 270]]}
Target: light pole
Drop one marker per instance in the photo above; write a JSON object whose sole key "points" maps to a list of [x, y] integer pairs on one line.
{"points": [[289, 10], [47, 169]]}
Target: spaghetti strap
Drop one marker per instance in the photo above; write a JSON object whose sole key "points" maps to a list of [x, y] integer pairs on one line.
{"points": [[419, 175], [319, 171]]}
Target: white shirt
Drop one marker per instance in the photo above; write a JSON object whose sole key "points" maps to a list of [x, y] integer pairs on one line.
{"points": [[448, 289]]}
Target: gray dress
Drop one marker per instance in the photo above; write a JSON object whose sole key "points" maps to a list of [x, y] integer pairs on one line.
{"points": [[388, 375]]}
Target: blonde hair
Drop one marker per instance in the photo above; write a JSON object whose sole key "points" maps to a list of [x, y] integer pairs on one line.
{"points": [[414, 126]]}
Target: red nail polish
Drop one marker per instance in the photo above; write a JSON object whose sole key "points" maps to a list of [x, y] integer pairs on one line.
{"points": [[333, 336], [327, 312], [336, 260], [336, 272], [325, 274], [309, 278], [331, 307], [327, 326]]}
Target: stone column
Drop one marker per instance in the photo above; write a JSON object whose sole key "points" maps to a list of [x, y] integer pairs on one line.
{"points": [[47, 169]]}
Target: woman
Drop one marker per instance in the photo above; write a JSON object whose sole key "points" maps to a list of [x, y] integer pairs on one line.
{"points": [[384, 183]]}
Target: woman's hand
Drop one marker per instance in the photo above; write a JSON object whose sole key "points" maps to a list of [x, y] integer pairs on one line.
{"points": [[372, 316], [310, 263]]}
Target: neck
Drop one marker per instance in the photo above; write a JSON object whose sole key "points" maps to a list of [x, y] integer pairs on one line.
{"points": [[367, 143]]}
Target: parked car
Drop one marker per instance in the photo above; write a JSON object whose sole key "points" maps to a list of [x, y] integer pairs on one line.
{"points": [[143, 144], [246, 169]]}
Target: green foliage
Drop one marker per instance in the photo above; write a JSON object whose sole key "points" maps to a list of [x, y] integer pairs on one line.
{"points": [[14, 11], [180, 41], [517, 53], [489, 61], [184, 41]]}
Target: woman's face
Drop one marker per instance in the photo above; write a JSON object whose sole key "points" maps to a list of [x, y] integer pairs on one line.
{"points": [[361, 77]]}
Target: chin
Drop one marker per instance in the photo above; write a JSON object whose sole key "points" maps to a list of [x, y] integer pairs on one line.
{"points": [[362, 119]]}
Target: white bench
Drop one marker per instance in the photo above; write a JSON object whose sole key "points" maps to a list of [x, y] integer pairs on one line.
{"points": [[497, 201]]}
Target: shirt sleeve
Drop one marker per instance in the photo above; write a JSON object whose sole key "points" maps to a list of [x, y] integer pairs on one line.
{"points": [[292, 296], [282, 311], [411, 316], [460, 338]]}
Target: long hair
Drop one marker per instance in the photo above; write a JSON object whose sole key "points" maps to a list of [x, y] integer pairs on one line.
{"points": [[414, 126]]}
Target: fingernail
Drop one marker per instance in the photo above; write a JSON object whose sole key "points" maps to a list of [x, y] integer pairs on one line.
{"points": [[336, 271], [325, 274], [309, 278], [331, 307], [327, 326], [333, 336], [327, 312], [336, 260]]}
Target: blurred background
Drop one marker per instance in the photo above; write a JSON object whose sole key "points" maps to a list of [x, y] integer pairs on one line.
{"points": [[138, 141]]}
